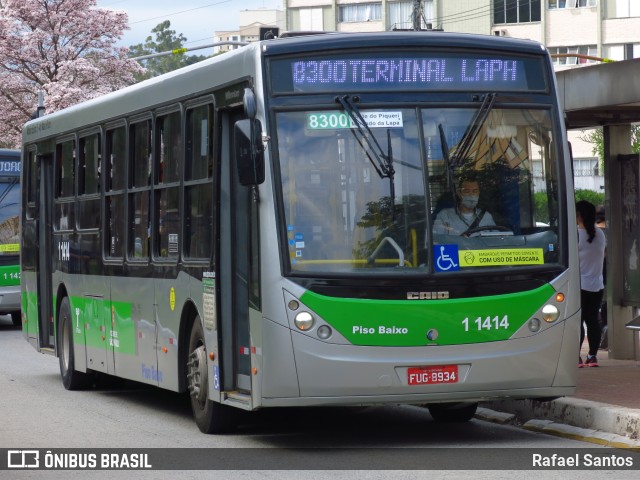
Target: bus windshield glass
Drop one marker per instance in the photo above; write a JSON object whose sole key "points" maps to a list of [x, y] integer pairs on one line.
{"points": [[397, 190], [9, 207]]}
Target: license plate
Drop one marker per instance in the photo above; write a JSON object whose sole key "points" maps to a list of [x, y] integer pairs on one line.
{"points": [[431, 375]]}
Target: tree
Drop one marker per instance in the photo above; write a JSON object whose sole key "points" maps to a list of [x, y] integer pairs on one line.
{"points": [[166, 40], [64, 48], [597, 198], [596, 137]]}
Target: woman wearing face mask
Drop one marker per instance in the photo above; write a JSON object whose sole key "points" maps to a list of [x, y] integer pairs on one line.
{"points": [[466, 216]]}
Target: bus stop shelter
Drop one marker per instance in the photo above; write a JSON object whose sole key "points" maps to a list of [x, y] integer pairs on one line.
{"points": [[607, 95]]}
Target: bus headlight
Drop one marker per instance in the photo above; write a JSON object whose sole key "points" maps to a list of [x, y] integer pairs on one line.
{"points": [[324, 332], [534, 325], [293, 305], [304, 321], [550, 313]]}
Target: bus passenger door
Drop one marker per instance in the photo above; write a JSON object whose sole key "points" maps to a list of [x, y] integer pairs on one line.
{"points": [[235, 264], [44, 233]]}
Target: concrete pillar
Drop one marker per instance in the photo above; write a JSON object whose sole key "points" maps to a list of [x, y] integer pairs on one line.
{"points": [[623, 343]]}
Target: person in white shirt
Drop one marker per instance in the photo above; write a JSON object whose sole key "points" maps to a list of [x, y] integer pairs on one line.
{"points": [[466, 215], [591, 247]]}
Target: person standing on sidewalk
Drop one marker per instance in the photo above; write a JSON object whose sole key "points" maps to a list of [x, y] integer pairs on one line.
{"points": [[601, 222], [591, 248]]}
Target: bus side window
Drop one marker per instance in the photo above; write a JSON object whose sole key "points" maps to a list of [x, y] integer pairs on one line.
{"points": [[169, 151], [140, 189], [32, 184], [64, 183], [198, 190], [115, 179], [89, 166]]}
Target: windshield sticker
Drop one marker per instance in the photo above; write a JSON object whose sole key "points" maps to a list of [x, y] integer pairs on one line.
{"points": [[493, 258], [209, 303], [10, 247], [447, 258], [336, 120]]}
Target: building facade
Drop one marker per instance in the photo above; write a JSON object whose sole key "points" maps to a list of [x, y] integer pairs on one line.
{"points": [[576, 32], [249, 29], [599, 28]]}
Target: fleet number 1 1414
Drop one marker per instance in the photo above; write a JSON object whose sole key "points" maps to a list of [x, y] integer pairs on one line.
{"points": [[488, 323]]}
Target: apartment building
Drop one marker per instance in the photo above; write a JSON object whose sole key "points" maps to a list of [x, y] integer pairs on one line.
{"points": [[599, 28], [249, 29], [576, 32]]}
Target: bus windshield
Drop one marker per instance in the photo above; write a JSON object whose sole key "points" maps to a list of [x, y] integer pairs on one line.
{"points": [[10, 214], [418, 189]]}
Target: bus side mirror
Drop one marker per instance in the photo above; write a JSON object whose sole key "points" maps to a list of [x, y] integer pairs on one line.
{"points": [[247, 138]]}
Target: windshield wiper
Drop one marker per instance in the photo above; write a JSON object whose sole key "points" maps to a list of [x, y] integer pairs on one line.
{"points": [[383, 163], [14, 182], [444, 147], [474, 128]]}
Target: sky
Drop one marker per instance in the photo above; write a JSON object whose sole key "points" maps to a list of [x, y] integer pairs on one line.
{"points": [[195, 19]]}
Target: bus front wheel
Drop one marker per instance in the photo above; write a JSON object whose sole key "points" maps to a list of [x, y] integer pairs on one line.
{"points": [[71, 379], [210, 416], [452, 412]]}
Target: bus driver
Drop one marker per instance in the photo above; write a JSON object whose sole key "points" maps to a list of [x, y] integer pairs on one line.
{"points": [[465, 216]]}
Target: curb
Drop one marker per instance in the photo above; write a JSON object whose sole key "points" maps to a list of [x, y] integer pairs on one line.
{"points": [[575, 412], [568, 417], [492, 416], [582, 434]]}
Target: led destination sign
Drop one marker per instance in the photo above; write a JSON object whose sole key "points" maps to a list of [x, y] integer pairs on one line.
{"points": [[10, 168], [415, 72]]}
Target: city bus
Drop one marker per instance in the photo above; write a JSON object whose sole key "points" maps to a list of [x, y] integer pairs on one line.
{"points": [[256, 230], [10, 234]]}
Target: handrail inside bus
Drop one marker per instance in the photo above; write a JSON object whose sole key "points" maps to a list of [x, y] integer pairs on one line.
{"points": [[353, 261], [395, 246]]}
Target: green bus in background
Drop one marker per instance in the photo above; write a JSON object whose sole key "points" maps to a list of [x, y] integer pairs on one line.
{"points": [[10, 234]]}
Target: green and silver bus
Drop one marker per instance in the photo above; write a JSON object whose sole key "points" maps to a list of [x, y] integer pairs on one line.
{"points": [[257, 229], [10, 234]]}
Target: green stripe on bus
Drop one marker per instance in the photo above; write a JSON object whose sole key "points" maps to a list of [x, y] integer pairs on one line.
{"points": [[100, 323], [412, 322], [9, 275]]}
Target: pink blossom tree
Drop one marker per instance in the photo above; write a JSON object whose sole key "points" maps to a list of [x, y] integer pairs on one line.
{"points": [[63, 48]]}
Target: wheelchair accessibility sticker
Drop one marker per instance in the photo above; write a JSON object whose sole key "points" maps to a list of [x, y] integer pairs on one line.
{"points": [[216, 378], [446, 258]]}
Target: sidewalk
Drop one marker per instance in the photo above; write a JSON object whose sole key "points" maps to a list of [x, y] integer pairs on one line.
{"points": [[605, 408]]}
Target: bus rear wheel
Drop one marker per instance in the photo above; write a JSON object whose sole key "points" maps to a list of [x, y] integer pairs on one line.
{"points": [[16, 318], [452, 412], [71, 379], [210, 416]]}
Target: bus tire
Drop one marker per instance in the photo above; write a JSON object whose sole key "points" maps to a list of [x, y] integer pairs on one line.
{"points": [[210, 416], [71, 378], [16, 318], [452, 412]]}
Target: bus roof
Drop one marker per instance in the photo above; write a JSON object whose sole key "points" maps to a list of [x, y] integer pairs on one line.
{"points": [[433, 39], [6, 152], [243, 63], [172, 87]]}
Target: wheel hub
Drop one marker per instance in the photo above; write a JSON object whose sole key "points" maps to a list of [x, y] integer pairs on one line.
{"points": [[197, 374]]}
